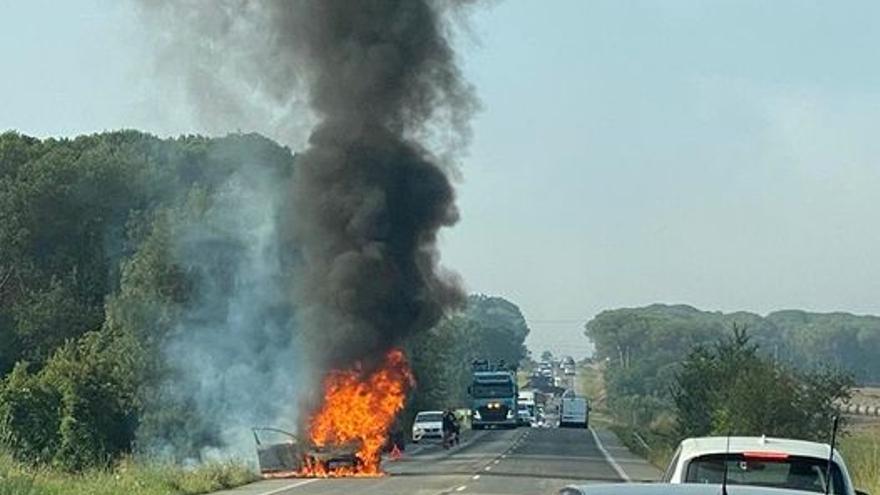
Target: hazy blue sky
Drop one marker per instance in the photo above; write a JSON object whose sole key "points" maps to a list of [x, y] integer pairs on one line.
{"points": [[720, 154]]}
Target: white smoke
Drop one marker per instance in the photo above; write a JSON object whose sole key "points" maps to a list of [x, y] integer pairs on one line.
{"points": [[234, 352]]}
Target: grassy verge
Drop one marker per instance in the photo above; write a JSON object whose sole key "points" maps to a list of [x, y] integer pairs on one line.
{"points": [[589, 383], [656, 449], [127, 477], [861, 450]]}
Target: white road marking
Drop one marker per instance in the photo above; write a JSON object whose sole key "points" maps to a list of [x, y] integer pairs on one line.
{"points": [[288, 487], [475, 477], [496, 461], [487, 468], [619, 470], [504, 456], [461, 488]]}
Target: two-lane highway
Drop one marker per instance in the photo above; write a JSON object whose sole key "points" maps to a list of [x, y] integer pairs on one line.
{"points": [[520, 461]]}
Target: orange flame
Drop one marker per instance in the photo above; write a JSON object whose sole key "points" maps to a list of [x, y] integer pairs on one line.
{"points": [[359, 410]]}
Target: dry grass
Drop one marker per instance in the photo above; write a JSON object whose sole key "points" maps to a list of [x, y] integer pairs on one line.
{"points": [[861, 450], [127, 477]]}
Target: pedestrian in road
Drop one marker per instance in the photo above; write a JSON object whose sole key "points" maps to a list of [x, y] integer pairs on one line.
{"points": [[448, 428]]}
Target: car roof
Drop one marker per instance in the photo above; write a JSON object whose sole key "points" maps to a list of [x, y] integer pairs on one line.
{"points": [[674, 489], [429, 412], [694, 447]]}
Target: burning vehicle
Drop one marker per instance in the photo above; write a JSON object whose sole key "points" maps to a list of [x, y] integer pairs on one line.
{"points": [[291, 457], [346, 435]]}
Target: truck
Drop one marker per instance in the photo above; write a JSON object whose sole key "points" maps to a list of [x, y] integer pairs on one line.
{"points": [[574, 411], [526, 408], [494, 394], [568, 366]]}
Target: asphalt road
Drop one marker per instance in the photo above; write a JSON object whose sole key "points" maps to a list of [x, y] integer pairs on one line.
{"points": [[520, 461]]}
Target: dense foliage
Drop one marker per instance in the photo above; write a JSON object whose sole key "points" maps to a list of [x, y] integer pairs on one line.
{"points": [[706, 373], [729, 388], [89, 284]]}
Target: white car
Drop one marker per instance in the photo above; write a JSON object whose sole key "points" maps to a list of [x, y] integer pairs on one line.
{"points": [[428, 424], [670, 489], [759, 461]]}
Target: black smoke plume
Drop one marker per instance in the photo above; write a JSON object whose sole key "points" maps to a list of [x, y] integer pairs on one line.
{"points": [[369, 197], [376, 83]]}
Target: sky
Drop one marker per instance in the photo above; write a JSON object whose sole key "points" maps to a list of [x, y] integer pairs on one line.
{"points": [[720, 154]]}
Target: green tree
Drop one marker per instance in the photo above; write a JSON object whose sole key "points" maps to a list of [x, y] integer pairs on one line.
{"points": [[732, 388]]}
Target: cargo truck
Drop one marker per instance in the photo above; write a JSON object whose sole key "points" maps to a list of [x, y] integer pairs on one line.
{"points": [[494, 393]]}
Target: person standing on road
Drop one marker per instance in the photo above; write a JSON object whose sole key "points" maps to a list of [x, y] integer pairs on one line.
{"points": [[448, 428]]}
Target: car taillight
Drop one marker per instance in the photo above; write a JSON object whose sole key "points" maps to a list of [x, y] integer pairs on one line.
{"points": [[765, 456]]}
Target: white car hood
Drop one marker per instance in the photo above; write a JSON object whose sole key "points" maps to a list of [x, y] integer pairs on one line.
{"points": [[428, 425]]}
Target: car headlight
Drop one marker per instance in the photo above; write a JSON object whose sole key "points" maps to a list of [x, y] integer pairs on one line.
{"points": [[477, 415]]}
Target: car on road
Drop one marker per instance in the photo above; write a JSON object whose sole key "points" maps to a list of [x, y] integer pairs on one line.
{"points": [[428, 424], [759, 461], [672, 489]]}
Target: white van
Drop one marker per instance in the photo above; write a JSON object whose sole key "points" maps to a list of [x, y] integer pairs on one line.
{"points": [[574, 411]]}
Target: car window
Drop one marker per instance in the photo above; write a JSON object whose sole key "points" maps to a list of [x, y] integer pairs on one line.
{"points": [[429, 417], [778, 471]]}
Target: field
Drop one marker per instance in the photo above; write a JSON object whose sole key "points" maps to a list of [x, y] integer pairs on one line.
{"points": [[868, 396], [861, 450], [127, 477]]}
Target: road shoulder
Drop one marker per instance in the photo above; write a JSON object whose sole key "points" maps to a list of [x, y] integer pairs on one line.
{"points": [[634, 467]]}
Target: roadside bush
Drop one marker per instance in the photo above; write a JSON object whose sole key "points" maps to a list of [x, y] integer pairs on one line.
{"points": [[731, 388], [28, 416], [79, 410]]}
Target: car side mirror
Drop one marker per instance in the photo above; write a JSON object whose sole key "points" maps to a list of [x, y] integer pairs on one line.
{"points": [[860, 492]]}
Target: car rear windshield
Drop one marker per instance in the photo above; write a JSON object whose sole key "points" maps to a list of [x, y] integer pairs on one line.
{"points": [[429, 417], [772, 470]]}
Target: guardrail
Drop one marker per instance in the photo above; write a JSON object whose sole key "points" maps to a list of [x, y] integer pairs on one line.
{"points": [[860, 409], [641, 441]]}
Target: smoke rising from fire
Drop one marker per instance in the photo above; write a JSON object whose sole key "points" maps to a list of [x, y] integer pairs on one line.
{"points": [[388, 108], [369, 197]]}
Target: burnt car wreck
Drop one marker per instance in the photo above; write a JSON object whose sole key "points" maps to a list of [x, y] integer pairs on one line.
{"points": [[295, 458]]}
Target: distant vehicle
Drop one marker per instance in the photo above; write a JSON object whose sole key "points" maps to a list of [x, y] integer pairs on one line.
{"points": [[670, 489], [568, 366], [428, 424], [574, 412], [759, 461], [526, 414], [494, 396]]}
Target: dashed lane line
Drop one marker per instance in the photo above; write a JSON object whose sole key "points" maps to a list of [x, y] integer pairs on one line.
{"points": [[619, 470], [461, 488], [475, 477], [288, 487]]}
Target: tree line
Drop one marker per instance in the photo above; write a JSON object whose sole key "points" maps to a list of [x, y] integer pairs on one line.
{"points": [[697, 373]]}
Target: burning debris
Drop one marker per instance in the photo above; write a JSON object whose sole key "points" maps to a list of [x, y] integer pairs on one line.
{"points": [[360, 409], [347, 434]]}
